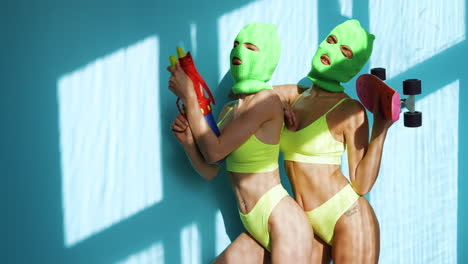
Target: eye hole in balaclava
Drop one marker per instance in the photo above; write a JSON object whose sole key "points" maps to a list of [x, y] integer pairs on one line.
{"points": [[251, 46], [332, 39], [347, 52]]}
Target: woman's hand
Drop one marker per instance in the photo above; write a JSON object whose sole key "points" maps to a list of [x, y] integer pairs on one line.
{"points": [[179, 83], [181, 130], [380, 123], [290, 118]]}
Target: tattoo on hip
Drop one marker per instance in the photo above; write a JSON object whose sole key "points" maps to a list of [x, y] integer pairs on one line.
{"points": [[352, 210]]}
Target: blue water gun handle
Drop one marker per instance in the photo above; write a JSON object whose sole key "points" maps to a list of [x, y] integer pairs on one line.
{"points": [[212, 123]]}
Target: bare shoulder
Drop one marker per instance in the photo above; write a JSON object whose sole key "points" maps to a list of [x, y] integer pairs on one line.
{"points": [[230, 104], [265, 105], [354, 113], [353, 106], [289, 92], [268, 99], [226, 108]]}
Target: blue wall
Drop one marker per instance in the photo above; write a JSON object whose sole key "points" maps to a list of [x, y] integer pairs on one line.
{"points": [[43, 41]]}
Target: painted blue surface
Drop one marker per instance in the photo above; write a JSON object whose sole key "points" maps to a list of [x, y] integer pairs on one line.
{"points": [[47, 40]]}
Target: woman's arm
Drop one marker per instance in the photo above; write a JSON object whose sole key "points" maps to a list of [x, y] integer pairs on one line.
{"points": [[182, 132], [364, 158], [259, 110], [207, 171], [289, 92], [264, 106]]}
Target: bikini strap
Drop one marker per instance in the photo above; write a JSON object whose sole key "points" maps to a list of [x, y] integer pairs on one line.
{"points": [[337, 104], [299, 96], [225, 115]]}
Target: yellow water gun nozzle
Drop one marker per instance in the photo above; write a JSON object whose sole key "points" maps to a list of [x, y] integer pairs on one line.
{"points": [[180, 52], [173, 60]]}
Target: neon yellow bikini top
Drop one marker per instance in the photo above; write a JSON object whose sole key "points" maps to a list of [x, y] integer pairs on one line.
{"points": [[253, 156], [314, 143]]}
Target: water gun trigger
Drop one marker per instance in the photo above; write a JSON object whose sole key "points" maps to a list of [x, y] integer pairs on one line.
{"points": [[180, 107]]}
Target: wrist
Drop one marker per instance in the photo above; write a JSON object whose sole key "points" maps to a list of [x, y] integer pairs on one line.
{"points": [[379, 133], [382, 124], [189, 97], [190, 102], [188, 145]]}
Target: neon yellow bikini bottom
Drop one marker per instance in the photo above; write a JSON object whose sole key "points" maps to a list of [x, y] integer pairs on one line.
{"points": [[324, 217], [256, 221]]}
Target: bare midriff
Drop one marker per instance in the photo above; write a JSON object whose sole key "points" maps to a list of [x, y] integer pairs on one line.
{"points": [[314, 184], [250, 187]]}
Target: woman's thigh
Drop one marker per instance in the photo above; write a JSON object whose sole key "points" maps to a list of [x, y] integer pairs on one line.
{"points": [[357, 235], [321, 251], [244, 249], [290, 233]]}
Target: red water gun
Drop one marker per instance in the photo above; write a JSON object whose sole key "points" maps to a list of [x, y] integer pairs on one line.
{"points": [[187, 64]]}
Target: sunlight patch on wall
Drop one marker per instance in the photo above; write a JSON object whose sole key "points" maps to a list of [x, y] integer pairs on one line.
{"points": [[346, 8], [415, 196], [109, 140], [296, 22], [410, 32], [222, 239], [193, 39], [153, 254], [190, 244]]}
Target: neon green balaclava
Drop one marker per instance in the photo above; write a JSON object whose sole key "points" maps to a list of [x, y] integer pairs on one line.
{"points": [[257, 66], [341, 69]]}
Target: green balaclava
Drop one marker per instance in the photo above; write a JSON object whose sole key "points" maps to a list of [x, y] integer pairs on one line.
{"points": [[257, 66], [341, 68]]}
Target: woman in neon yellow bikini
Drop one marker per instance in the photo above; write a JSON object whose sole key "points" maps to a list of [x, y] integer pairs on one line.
{"points": [[324, 122], [251, 128]]}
